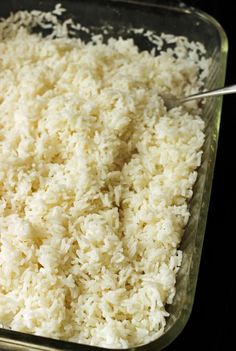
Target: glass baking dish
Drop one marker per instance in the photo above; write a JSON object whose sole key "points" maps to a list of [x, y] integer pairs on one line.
{"points": [[118, 16]]}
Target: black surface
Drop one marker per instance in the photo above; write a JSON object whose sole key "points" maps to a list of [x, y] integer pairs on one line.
{"points": [[211, 324]]}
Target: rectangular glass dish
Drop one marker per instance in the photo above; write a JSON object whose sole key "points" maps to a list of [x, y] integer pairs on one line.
{"points": [[118, 16]]}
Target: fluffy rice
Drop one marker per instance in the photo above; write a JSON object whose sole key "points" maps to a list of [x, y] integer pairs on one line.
{"points": [[95, 180]]}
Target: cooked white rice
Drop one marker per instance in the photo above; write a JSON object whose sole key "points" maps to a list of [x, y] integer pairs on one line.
{"points": [[95, 180]]}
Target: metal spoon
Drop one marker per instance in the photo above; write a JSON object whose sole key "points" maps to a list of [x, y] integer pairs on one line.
{"points": [[171, 101]]}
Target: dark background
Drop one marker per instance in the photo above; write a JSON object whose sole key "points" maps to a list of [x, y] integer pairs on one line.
{"points": [[212, 321]]}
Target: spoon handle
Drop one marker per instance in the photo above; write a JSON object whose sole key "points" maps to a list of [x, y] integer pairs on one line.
{"points": [[221, 91]]}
